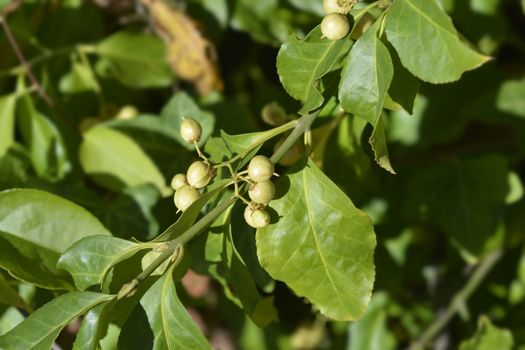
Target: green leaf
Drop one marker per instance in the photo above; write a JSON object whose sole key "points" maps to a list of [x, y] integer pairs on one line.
{"points": [[378, 142], [460, 197], [7, 122], [510, 97], [89, 260], [488, 337], [40, 329], [366, 77], [9, 296], [115, 161], [171, 324], [260, 309], [371, 332], [41, 226], [404, 86], [31, 262], [302, 63], [79, 79], [243, 144], [45, 144], [93, 328], [182, 106], [427, 42], [322, 246], [136, 59]]}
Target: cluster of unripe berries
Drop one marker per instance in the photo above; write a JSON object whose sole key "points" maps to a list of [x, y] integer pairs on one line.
{"points": [[199, 173], [260, 169]]}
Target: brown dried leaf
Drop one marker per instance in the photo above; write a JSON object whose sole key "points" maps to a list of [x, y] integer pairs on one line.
{"points": [[191, 56]]}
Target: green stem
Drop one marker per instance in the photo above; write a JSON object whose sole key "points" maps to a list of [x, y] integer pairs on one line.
{"points": [[303, 125], [459, 300]]}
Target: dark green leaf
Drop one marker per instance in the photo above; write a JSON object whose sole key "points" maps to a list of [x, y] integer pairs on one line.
{"points": [[8, 295], [40, 329], [404, 86], [427, 42], [322, 247], [302, 63], [460, 196]]}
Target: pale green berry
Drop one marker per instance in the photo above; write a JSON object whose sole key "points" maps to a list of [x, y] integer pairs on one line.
{"points": [[260, 168], [334, 26], [190, 130], [178, 181], [185, 196], [257, 218], [262, 192], [333, 6], [199, 174]]}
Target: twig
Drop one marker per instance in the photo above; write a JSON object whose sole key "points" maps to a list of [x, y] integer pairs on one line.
{"points": [[129, 288], [458, 301], [23, 61]]}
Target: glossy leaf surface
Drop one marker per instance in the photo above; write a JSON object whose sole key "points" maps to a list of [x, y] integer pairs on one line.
{"points": [[322, 246]]}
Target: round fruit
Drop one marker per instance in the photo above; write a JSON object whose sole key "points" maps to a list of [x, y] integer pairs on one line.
{"points": [[362, 26], [199, 174], [260, 168], [190, 130], [293, 155], [257, 218], [262, 192], [335, 26], [178, 181], [333, 6], [185, 196]]}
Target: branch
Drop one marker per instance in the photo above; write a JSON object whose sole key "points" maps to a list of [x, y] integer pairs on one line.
{"points": [[459, 300], [21, 58], [127, 289]]}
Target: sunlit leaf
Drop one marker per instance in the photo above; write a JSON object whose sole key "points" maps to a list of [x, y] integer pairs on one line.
{"points": [[7, 122], [116, 161], [302, 63], [366, 77], [427, 42], [136, 59], [36, 228], [89, 260], [40, 329], [320, 245], [172, 326]]}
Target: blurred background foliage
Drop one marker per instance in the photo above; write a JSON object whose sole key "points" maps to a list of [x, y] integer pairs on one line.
{"points": [[460, 158]]}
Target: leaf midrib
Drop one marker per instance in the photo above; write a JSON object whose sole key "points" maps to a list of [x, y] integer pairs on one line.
{"points": [[314, 232]]}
